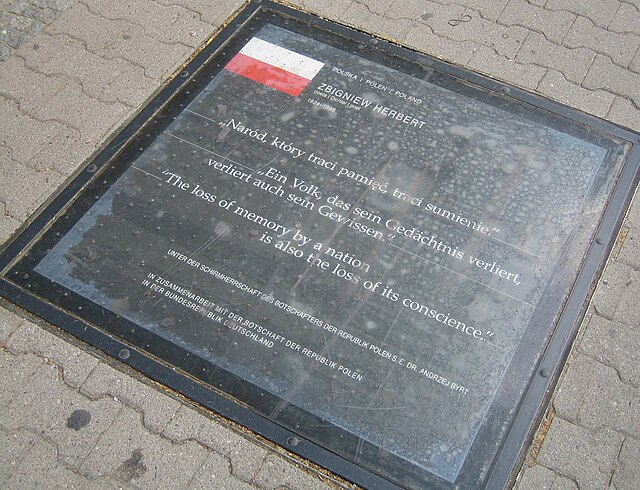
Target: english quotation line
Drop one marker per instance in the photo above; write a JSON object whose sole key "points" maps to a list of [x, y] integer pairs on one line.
{"points": [[490, 236]]}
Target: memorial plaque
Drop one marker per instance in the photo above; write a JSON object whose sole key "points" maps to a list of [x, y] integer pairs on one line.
{"points": [[359, 252]]}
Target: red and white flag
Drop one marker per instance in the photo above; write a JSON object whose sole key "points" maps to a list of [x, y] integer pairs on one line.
{"points": [[274, 66]]}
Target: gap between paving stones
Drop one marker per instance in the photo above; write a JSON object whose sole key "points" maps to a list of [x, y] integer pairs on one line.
{"points": [[75, 78], [612, 110], [576, 81], [20, 342], [108, 397], [20, 21], [147, 30], [119, 34], [35, 438], [30, 115]]}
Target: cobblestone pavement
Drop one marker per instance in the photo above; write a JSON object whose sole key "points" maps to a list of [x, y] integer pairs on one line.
{"points": [[20, 20], [72, 72]]}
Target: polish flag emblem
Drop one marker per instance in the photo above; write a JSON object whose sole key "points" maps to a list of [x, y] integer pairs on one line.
{"points": [[274, 66]]}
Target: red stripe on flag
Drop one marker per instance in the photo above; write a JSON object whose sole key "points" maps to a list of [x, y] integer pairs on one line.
{"points": [[268, 75]]}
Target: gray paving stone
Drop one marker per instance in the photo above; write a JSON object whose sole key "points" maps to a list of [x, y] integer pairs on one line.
{"points": [[92, 117], [629, 252], [379, 7], [215, 473], [23, 134], [16, 6], [628, 311], [438, 18], [572, 63], [567, 398], [159, 60], [603, 74], [188, 29], [555, 86], [30, 89], [75, 363], [563, 483], [7, 20], [18, 22], [635, 62], [329, 8], [213, 11], [417, 10], [156, 407], [22, 369], [39, 465], [131, 454], [626, 19], [553, 25], [18, 40], [246, 459], [486, 61], [593, 396], [623, 112], [277, 471], [422, 39], [8, 226], [627, 474], [21, 20], [65, 153], [632, 219], [53, 4], [606, 298], [580, 454], [168, 24], [9, 323], [45, 15], [488, 10], [108, 80], [600, 12], [505, 41], [96, 32], [358, 15], [620, 239], [188, 423], [130, 86], [43, 404], [9, 31], [620, 47], [22, 189], [5, 53], [393, 29], [635, 3], [536, 478], [616, 345], [15, 445], [34, 27]]}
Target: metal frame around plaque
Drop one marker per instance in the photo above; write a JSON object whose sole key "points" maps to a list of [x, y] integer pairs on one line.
{"points": [[506, 426]]}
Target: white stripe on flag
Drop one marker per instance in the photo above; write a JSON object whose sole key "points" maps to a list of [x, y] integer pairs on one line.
{"points": [[282, 58]]}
